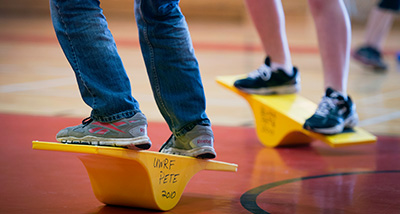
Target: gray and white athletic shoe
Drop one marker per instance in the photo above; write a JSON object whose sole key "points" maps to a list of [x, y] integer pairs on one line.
{"points": [[198, 143], [130, 133]]}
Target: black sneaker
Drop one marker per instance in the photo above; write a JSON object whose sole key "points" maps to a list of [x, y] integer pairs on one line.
{"points": [[369, 56], [334, 113], [265, 81]]}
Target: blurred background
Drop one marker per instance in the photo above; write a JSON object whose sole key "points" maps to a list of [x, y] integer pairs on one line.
{"points": [[227, 10], [36, 79]]}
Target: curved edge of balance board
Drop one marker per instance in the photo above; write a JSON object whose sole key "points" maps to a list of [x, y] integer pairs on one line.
{"points": [[122, 182], [113, 173]]}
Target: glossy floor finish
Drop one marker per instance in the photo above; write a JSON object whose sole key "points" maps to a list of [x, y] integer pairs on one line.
{"points": [[307, 179], [39, 96]]}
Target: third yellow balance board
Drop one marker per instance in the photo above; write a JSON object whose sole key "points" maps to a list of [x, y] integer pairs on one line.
{"points": [[143, 179], [279, 119]]}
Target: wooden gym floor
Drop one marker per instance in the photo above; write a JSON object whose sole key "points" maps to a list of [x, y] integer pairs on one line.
{"points": [[38, 97]]}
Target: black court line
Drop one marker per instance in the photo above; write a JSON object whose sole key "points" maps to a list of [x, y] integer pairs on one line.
{"points": [[248, 199]]}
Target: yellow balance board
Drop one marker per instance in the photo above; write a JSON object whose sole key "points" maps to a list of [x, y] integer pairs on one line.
{"points": [[143, 179], [279, 119]]}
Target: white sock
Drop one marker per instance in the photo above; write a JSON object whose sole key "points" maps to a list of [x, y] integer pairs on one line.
{"points": [[343, 94], [287, 68]]}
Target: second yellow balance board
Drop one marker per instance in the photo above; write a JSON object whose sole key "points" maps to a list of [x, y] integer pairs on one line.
{"points": [[279, 119], [143, 179]]}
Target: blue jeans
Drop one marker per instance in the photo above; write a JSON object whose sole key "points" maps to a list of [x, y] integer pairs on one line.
{"points": [[172, 67]]}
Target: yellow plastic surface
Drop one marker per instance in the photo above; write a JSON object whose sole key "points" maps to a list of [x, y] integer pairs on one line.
{"points": [[132, 178], [279, 119]]}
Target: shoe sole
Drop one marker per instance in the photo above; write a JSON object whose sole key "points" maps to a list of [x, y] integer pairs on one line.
{"points": [[204, 152], [272, 90], [350, 122], [138, 143]]}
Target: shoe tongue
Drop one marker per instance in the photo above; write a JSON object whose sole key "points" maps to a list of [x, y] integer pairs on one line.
{"points": [[268, 61], [333, 94]]}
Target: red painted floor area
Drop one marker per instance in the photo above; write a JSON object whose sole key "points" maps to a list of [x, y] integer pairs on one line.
{"points": [[307, 179]]}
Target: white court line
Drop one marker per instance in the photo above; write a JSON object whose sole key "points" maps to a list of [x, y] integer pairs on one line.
{"points": [[379, 97], [380, 119], [42, 84]]}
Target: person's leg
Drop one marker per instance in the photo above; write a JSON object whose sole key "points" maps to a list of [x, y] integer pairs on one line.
{"points": [[336, 111], [83, 34], [380, 22], [82, 31], [277, 75], [378, 27], [174, 75], [334, 38], [269, 19]]}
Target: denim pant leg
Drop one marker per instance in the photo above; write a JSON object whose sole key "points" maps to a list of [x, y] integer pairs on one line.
{"points": [[172, 67], [83, 33]]}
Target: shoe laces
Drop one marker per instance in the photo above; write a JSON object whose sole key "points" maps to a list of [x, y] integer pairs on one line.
{"points": [[87, 121], [264, 72], [326, 105]]}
